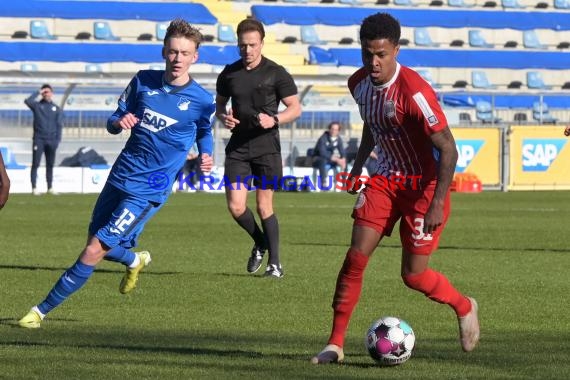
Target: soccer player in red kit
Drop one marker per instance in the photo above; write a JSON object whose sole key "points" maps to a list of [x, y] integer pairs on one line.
{"points": [[403, 118]]}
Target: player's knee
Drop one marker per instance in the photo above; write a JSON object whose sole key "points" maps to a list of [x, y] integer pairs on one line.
{"points": [[236, 210], [93, 253], [414, 281]]}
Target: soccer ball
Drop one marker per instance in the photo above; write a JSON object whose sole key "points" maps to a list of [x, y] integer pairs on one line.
{"points": [[390, 341]]}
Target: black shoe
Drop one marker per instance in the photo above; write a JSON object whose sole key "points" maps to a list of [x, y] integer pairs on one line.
{"points": [[254, 261], [274, 271]]}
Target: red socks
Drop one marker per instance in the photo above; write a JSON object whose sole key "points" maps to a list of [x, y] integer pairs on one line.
{"points": [[436, 287], [347, 293]]}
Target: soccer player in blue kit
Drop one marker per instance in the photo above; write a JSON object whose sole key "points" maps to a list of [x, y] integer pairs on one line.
{"points": [[166, 112]]}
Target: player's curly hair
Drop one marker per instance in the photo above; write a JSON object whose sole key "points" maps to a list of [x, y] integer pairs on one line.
{"points": [[181, 28], [251, 25], [380, 26]]}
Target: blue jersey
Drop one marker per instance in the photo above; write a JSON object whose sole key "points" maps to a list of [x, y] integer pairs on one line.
{"points": [[171, 119]]}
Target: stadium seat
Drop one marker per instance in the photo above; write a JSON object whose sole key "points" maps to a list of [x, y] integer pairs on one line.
{"points": [[422, 38], [102, 31], [476, 39], [520, 117], [516, 84], [28, 67], [39, 30], [484, 112], [83, 36], [464, 118], [20, 34], [512, 4], [563, 45], [309, 35], [426, 74], [511, 44], [531, 41], [459, 4], [144, 37], [566, 86], [405, 3], [320, 56], [93, 68], [541, 5], [562, 4], [457, 43], [226, 33], [535, 81], [479, 80], [489, 4], [349, 2], [459, 84], [9, 159], [161, 30], [541, 113]]}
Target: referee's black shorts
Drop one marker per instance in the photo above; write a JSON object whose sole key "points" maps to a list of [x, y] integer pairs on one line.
{"points": [[265, 171]]}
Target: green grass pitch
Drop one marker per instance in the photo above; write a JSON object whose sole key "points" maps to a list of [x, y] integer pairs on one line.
{"points": [[197, 314]]}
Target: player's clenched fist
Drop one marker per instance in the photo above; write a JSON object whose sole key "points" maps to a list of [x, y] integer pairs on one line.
{"points": [[128, 121]]}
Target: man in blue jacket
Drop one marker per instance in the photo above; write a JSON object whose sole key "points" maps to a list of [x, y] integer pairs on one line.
{"points": [[48, 123]]}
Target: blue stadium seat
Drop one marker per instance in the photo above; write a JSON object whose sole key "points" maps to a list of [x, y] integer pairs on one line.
{"points": [[476, 39], [349, 2], [28, 67], [541, 113], [422, 38], [320, 56], [426, 74], [405, 3], [535, 81], [39, 29], [479, 80], [459, 4], [9, 159], [102, 31], [531, 40], [512, 4], [309, 35], [161, 30], [226, 33], [93, 68], [562, 4], [484, 112]]}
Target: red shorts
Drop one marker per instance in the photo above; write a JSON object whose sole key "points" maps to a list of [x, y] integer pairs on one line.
{"points": [[381, 208]]}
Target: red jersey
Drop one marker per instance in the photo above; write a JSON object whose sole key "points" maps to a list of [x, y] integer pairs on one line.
{"points": [[401, 114]]}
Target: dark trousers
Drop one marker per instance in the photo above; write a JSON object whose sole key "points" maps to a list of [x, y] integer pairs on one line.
{"points": [[38, 149]]}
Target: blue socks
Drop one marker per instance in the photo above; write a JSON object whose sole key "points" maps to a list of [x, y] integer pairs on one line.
{"points": [[71, 281], [121, 255]]}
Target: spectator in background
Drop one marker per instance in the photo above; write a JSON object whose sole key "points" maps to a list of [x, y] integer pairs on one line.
{"points": [[329, 153], [4, 183], [48, 123]]}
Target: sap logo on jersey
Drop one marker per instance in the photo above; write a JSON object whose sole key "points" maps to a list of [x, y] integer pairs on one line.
{"points": [[467, 150], [154, 121], [538, 154]]}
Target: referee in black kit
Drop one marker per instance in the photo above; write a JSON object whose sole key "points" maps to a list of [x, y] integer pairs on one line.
{"points": [[256, 86]]}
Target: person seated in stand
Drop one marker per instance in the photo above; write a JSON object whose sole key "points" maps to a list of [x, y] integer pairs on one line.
{"points": [[329, 152]]}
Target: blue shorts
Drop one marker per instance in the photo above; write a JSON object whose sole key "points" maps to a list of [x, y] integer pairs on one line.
{"points": [[119, 218]]}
